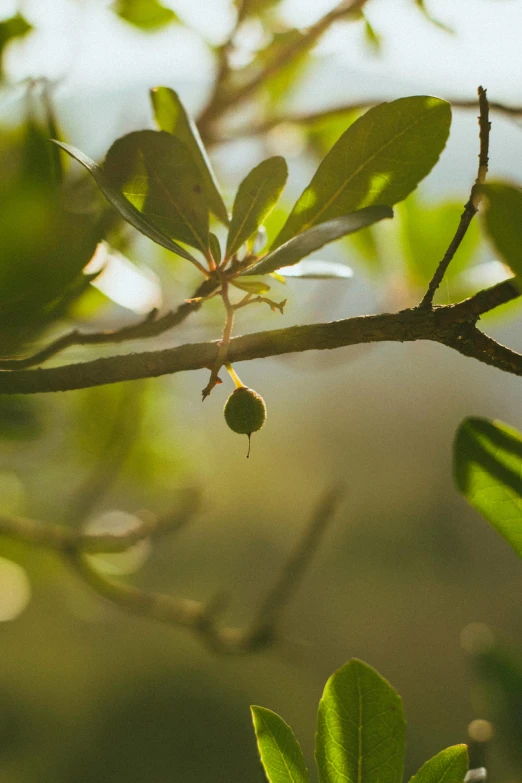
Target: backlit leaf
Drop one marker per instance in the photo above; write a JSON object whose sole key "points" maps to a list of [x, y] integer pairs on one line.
{"points": [[157, 174], [124, 207], [503, 221], [425, 232], [361, 728], [379, 159], [280, 752], [215, 247], [488, 472], [251, 286], [314, 238], [448, 766], [255, 199], [171, 117]]}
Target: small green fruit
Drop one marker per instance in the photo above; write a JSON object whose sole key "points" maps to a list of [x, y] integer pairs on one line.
{"points": [[245, 411]]}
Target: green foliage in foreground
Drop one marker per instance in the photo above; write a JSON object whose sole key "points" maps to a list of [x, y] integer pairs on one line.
{"points": [[488, 472], [360, 736]]}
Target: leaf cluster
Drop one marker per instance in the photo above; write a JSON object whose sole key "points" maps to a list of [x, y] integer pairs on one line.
{"points": [[360, 737]]}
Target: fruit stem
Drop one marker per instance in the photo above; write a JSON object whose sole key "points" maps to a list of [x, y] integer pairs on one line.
{"points": [[235, 377], [225, 340]]}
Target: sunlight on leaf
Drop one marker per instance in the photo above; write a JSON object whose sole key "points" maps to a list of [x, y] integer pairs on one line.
{"points": [[488, 471], [157, 174], [315, 238], [280, 752], [123, 206], [251, 286], [171, 117], [256, 197], [380, 159], [503, 221], [448, 766], [361, 728]]}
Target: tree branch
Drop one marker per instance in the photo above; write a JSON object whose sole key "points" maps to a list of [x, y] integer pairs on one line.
{"points": [[149, 327], [195, 616], [439, 325], [224, 99], [471, 208]]}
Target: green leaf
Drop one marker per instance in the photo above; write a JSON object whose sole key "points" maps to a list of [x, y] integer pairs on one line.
{"points": [[124, 207], [448, 766], [171, 117], [488, 472], [251, 286], [503, 221], [215, 247], [157, 174], [371, 36], [361, 728], [148, 15], [379, 159], [317, 270], [255, 199], [280, 752], [314, 238]]}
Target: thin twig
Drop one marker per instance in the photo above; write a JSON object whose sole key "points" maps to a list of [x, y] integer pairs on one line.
{"points": [[225, 340], [471, 208], [61, 538], [149, 327], [409, 325]]}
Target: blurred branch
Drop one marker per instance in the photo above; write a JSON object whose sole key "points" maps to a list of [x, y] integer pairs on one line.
{"points": [[149, 327], [310, 118], [198, 617], [471, 208], [224, 97], [441, 324], [265, 625], [64, 539]]}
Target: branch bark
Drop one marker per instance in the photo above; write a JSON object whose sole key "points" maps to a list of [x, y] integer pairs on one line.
{"points": [[441, 324]]}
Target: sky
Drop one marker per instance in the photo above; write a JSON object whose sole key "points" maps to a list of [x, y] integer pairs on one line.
{"points": [[82, 44]]}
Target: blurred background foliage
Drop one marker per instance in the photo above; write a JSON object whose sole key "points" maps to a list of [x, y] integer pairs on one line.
{"points": [[409, 579]]}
